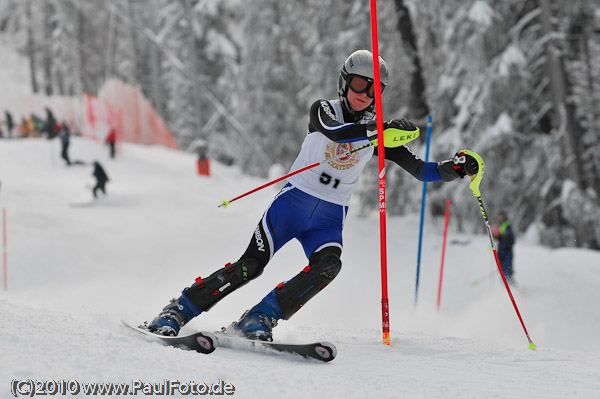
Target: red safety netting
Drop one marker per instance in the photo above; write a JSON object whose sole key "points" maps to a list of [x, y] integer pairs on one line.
{"points": [[125, 108], [118, 106]]}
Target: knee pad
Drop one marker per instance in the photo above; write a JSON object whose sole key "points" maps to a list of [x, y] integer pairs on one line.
{"points": [[292, 295], [328, 266], [205, 293]]}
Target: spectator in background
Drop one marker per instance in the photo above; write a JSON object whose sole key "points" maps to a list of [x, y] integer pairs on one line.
{"points": [[24, 127], [50, 124], [101, 179], [65, 139], [9, 124], [506, 239], [38, 126], [33, 127], [111, 141]]}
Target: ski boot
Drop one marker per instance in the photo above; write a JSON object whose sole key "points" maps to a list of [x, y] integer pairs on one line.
{"points": [[174, 316], [258, 322]]}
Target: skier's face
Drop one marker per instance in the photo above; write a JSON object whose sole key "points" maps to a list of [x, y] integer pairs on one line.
{"points": [[358, 101]]}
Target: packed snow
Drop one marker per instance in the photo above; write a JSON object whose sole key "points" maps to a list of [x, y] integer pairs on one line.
{"points": [[78, 266]]}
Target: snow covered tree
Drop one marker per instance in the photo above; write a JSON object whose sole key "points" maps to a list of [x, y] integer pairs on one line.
{"points": [[498, 85], [516, 81]]}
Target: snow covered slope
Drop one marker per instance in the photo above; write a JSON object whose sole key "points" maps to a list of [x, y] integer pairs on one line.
{"points": [[75, 271]]}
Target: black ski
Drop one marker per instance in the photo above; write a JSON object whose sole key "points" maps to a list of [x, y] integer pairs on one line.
{"points": [[206, 342], [201, 341], [322, 351]]}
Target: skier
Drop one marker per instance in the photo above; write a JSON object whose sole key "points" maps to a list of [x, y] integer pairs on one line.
{"points": [[101, 179], [311, 207], [506, 239]]}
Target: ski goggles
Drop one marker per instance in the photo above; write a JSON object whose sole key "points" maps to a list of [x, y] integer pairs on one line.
{"points": [[359, 85]]}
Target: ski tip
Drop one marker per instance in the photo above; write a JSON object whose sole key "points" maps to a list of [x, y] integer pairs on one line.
{"points": [[205, 342], [127, 324], [201, 341], [326, 351]]}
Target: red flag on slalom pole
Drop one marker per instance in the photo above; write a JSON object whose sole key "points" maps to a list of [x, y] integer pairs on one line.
{"points": [[385, 307]]}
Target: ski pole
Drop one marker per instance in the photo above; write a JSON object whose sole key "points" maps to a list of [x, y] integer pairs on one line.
{"points": [[224, 203], [399, 140], [474, 186]]}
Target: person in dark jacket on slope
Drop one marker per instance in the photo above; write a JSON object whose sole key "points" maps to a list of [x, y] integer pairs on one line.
{"points": [[101, 179], [311, 207], [65, 140], [506, 240]]}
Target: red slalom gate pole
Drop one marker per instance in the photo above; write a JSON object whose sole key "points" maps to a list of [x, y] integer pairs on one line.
{"points": [[439, 297], [385, 307], [4, 261]]}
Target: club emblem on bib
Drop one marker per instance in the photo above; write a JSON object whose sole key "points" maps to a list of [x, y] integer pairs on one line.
{"points": [[335, 149]]}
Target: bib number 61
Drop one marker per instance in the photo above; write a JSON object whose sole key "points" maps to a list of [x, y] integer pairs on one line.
{"points": [[328, 180]]}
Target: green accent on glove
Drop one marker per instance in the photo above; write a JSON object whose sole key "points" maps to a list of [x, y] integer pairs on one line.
{"points": [[393, 138]]}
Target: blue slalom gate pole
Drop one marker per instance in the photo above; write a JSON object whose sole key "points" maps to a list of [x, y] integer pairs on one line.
{"points": [[422, 213]]}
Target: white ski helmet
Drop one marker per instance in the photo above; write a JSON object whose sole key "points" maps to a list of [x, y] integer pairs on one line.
{"points": [[360, 63]]}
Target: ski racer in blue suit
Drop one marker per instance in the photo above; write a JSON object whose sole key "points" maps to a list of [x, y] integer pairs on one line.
{"points": [[311, 207]]}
